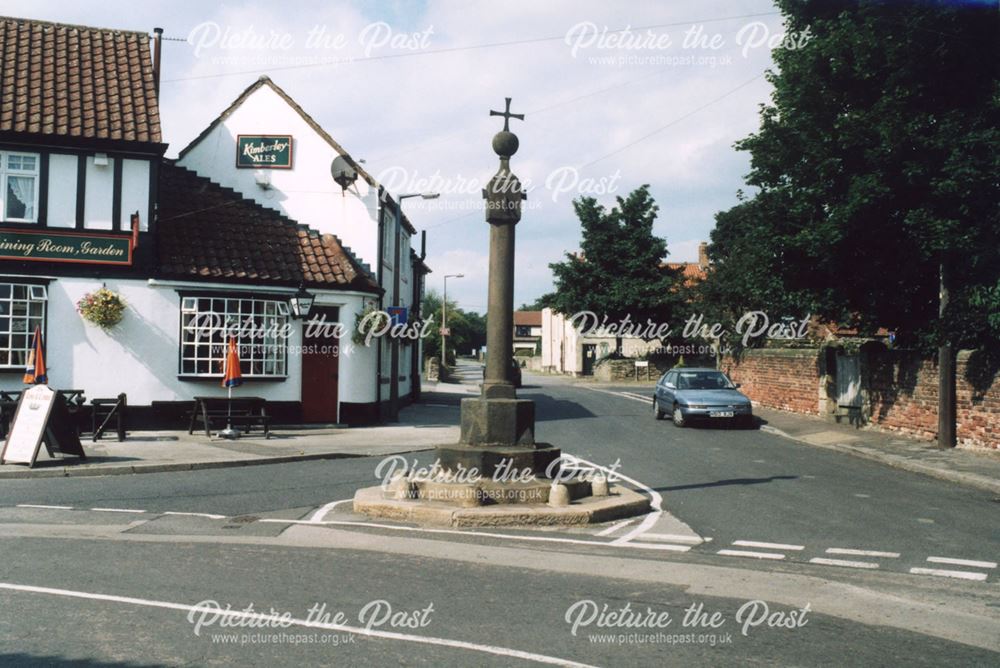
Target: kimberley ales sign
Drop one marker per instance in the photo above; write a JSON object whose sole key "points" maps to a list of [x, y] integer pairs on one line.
{"points": [[65, 247], [264, 151]]}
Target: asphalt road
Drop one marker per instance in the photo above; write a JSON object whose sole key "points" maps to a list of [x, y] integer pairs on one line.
{"points": [[121, 585]]}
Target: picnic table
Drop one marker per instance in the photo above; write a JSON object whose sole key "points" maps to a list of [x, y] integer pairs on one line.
{"points": [[239, 411]]}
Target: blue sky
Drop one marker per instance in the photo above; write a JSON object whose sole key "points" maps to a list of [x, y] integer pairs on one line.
{"points": [[413, 83]]}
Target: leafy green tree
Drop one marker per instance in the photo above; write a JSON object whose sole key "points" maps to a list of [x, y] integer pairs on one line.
{"points": [[536, 305], [620, 271], [468, 329], [876, 167]]}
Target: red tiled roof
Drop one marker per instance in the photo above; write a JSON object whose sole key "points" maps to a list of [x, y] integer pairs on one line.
{"points": [[691, 271], [208, 232], [76, 81], [528, 318]]}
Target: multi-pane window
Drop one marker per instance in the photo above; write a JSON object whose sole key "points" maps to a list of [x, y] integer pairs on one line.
{"points": [[22, 308], [19, 183], [259, 326]]}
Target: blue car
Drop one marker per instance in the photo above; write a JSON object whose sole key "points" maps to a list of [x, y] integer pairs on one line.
{"points": [[688, 394]]}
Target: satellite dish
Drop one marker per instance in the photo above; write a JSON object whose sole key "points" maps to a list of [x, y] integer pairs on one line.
{"points": [[343, 172]]}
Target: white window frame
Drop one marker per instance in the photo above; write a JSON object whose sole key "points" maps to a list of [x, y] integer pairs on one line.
{"points": [[202, 353], [6, 172], [23, 308]]}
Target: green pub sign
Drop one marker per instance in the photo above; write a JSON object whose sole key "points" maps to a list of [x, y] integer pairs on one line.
{"points": [[53, 246], [264, 151]]}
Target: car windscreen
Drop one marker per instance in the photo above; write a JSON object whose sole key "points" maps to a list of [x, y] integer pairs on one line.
{"points": [[702, 380]]}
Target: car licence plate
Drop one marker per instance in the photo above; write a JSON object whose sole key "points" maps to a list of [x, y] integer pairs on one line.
{"points": [[720, 414]]}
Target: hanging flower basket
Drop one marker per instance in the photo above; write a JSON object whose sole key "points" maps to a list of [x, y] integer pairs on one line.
{"points": [[373, 323], [102, 307]]}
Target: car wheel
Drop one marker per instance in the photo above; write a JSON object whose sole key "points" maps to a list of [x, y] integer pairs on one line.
{"points": [[678, 417], [657, 413]]}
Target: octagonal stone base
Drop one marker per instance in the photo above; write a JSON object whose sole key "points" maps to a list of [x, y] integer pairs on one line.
{"points": [[620, 503]]}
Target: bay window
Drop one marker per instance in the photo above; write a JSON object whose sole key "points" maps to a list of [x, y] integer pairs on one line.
{"points": [[260, 327]]}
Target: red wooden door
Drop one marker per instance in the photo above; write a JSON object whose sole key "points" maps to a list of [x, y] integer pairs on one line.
{"points": [[320, 364]]}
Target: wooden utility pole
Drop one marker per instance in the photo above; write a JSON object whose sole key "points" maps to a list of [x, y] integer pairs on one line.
{"points": [[946, 366]]}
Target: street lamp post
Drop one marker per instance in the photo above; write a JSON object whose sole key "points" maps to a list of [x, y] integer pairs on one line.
{"points": [[444, 320]]}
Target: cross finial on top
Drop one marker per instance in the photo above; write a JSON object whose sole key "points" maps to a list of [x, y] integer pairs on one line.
{"points": [[507, 116]]}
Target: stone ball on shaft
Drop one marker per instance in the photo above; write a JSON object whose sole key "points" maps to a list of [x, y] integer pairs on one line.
{"points": [[505, 143]]}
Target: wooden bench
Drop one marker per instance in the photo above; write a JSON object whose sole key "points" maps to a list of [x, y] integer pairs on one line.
{"points": [[243, 412]]}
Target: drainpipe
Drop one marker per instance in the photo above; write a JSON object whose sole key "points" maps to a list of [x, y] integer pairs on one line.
{"points": [[378, 273], [157, 47]]}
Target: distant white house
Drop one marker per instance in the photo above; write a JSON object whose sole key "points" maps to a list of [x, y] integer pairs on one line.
{"points": [[567, 350]]}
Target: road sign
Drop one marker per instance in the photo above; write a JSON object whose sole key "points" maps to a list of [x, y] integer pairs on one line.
{"points": [[445, 331]]}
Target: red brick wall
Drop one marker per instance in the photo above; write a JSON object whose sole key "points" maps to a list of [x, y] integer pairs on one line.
{"points": [[785, 379], [902, 393], [901, 390], [904, 398]]}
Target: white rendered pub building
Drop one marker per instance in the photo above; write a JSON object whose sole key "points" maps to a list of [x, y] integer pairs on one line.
{"points": [[248, 217]]}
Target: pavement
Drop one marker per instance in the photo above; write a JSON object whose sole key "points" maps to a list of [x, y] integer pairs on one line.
{"points": [[421, 427], [431, 422]]}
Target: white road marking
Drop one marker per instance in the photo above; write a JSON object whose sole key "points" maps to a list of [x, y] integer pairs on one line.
{"points": [[862, 553], [658, 546], [754, 555], [276, 620], [38, 505], [674, 538], [771, 546], [117, 510], [321, 512], [456, 532], [863, 496], [961, 575], [962, 562], [614, 527], [208, 515], [843, 562]]}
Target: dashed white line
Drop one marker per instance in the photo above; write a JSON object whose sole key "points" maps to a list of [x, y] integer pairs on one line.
{"points": [[862, 553], [752, 555], [962, 562], [659, 546], [117, 510], [843, 562], [265, 619], [208, 515], [771, 546], [38, 505], [961, 575], [673, 538]]}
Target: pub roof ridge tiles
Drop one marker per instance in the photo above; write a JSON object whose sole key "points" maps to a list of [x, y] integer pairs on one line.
{"points": [[82, 82], [223, 236]]}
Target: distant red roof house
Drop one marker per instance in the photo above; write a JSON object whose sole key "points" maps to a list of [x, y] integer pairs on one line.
{"points": [[528, 318], [693, 272], [76, 82], [207, 231]]}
